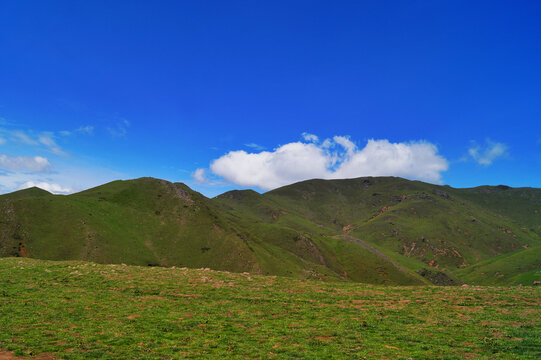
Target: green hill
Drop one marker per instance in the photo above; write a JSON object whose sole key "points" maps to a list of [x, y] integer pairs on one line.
{"points": [[30, 192], [519, 267], [142, 222], [418, 225], [523, 205], [376, 230]]}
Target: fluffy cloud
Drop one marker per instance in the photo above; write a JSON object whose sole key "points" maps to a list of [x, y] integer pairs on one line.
{"points": [[199, 176], [24, 163], [414, 160], [52, 188], [310, 137], [267, 170], [487, 154], [338, 157]]}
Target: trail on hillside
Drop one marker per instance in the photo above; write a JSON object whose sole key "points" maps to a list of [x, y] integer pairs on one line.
{"points": [[375, 251]]}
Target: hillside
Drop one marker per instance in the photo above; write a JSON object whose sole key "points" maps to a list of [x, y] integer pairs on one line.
{"points": [[418, 225], [523, 205], [376, 230], [142, 222], [519, 267]]}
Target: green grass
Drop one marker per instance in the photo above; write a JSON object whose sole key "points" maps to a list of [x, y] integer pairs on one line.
{"points": [[81, 310], [520, 204], [520, 267]]}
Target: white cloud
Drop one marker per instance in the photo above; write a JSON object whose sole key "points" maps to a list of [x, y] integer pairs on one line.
{"points": [[345, 143], [309, 137], [269, 170], [67, 175], [52, 188], [255, 146], [88, 130], [85, 130], [120, 129], [199, 176], [24, 163], [70, 177], [47, 139], [334, 158], [413, 160], [485, 155], [22, 137], [44, 139]]}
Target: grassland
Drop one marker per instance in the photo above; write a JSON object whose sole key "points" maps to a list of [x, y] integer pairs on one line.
{"points": [[520, 267], [81, 310]]}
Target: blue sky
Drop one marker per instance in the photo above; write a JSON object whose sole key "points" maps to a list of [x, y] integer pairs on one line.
{"points": [[258, 94]]}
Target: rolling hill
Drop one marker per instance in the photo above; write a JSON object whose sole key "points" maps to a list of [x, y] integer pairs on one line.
{"points": [[143, 222], [375, 230]]}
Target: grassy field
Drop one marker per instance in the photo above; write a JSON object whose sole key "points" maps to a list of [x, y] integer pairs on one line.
{"points": [[523, 267], [81, 310]]}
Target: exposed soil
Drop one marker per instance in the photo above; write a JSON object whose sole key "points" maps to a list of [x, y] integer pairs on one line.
{"points": [[8, 355], [22, 250]]}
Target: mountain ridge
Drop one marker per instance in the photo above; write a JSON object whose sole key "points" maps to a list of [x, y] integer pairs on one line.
{"points": [[299, 230]]}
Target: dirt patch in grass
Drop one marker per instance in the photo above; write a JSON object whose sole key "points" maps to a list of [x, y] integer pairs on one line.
{"points": [[8, 355]]}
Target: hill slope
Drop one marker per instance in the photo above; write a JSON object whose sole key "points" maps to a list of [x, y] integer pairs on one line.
{"points": [[416, 224], [143, 222], [377, 230], [520, 267]]}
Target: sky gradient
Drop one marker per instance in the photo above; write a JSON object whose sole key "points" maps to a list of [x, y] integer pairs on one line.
{"points": [[245, 94]]}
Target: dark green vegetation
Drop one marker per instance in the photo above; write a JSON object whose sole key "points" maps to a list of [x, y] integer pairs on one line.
{"points": [[374, 230], [80, 310]]}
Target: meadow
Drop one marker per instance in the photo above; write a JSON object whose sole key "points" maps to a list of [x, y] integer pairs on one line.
{"points": [[81, 310]]}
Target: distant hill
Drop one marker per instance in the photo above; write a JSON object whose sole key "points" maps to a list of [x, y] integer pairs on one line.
{"points": [[29, 192], [144, 222], [372, 229]]}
